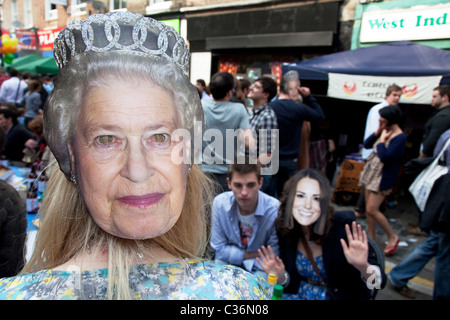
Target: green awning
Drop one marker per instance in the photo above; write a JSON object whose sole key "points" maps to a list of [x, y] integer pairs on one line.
{"points": [[42, 66], [17, 62], [47, 66]]}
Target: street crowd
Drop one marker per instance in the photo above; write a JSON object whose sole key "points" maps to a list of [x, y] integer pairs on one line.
{"points": [[282, 223]]}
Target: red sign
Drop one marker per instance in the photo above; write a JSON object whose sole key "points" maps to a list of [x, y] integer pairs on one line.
{"points": [[47, 37], [27, 40]]}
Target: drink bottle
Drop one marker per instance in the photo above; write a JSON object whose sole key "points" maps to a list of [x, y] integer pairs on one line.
{"points": [[32, 176], [272, 279], [32, 202], [42, 183], [277, 292]]}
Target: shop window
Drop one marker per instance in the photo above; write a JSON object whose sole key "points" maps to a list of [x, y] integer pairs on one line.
{"points": [[159, 4], [28, 13], [51, 12], [14, 11], [118, 5], [253, 66], [153, 2], [77, 8]]}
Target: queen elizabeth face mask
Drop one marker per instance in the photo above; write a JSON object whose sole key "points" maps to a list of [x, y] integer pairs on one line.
{"points": [[122, 156]]}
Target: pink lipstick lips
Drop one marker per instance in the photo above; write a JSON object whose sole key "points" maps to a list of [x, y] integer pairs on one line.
{"points": [[142, 201]]}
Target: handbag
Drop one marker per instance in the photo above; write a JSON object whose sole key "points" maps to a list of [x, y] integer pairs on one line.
{"points": [[421, 187], [436, 216]]}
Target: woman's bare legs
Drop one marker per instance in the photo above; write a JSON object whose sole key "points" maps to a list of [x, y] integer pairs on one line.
{"points": [[375, 216]]}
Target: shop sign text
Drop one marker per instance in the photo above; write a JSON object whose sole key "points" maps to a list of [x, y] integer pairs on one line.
{"points": [[416, 23]]}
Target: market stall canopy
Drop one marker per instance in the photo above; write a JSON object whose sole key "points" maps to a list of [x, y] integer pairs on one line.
{"points": [[41, 66], [47, 66], [17, 62], [364, 74], [403, 58]]}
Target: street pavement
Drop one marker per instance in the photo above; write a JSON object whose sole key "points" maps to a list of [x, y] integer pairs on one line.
{"points": [[399, 216]]}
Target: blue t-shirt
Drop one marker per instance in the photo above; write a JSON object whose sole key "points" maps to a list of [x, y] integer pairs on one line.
{"points": [[222, 119]]}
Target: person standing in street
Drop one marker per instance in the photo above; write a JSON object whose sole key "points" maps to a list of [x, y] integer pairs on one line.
{"points": [[12, 89], [380, 171], [263, 121], [437, 243], [436, 125], [32, 101], [439, 121], [392, 98], [290, 117], [292, 89], [434, 245], [223, 115], [201, 86]]}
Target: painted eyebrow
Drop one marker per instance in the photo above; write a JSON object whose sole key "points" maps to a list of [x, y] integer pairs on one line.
{"points": [[301, 192], [93, 127]]}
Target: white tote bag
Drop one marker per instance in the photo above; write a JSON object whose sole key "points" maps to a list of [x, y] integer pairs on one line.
{"points": [[422, 185]]}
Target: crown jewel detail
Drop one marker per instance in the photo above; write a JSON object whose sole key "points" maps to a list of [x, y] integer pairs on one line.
{"points": [[125, 32]]}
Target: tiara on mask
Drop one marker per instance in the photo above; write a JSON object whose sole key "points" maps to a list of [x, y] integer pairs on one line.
{"points": [[124, 32]]}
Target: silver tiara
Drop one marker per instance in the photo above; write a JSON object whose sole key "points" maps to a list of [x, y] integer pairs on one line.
{"points": [[125, 32]]}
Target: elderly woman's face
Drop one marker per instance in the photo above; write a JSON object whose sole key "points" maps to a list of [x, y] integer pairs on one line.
{"points": [[306, 206], [293, 90], [122, 155]]}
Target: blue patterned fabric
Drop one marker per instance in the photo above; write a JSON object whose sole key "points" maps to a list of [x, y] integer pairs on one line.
{"points": [[306, 290], [184, 280]]}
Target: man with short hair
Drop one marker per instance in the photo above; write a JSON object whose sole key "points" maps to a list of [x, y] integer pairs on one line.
{"points": [[241, 92], [439, 121], [435, 126], [290, 116], [201, 86], [17, 137], [435, 135], [12, 89], [263, 121], [244, 219], [223, 117]]}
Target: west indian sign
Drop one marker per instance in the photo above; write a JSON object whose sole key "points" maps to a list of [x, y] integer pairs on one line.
{"points": [[416, 90], [416, 23]]}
